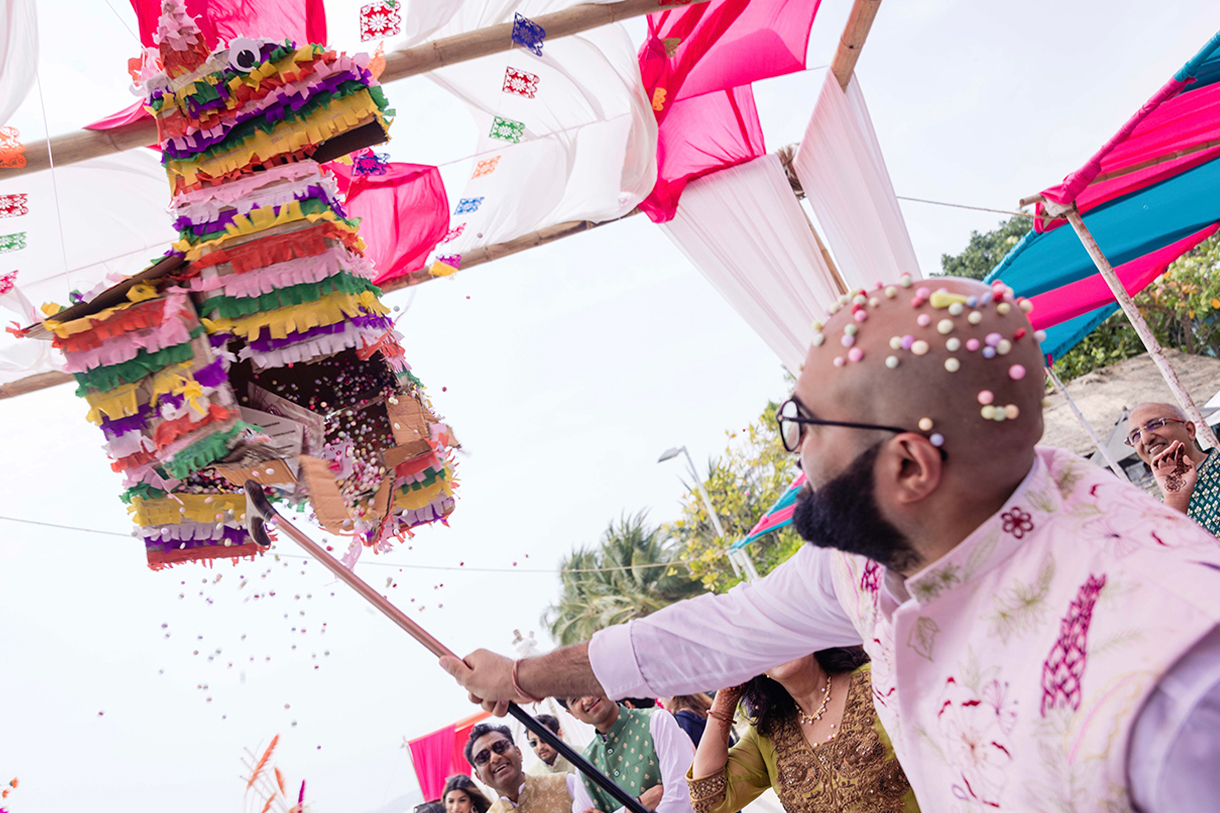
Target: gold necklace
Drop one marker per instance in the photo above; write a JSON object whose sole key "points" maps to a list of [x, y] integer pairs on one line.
{"points": [[810, 719]]}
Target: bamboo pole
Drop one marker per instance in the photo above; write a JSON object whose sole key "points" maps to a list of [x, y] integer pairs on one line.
{"points": [[33, 383], [1141, 327], [82, 145], [1088, 427], [859, 22]]}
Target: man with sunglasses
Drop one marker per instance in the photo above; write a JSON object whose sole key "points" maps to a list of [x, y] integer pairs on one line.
{"points": [[490, 750], [1043, 636], [1164, 439]]}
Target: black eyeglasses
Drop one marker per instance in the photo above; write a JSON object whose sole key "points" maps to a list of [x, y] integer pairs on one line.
{"points": [[499, 746], [1151, 426], [790, 421]]}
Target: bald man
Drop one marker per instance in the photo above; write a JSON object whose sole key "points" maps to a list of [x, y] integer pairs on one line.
{"points": [[1044, 637], [1164, 438]]}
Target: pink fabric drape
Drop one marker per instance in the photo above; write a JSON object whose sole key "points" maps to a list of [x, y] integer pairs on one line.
{"points": [[441, 754], [302, 21], [404, 214], [697, 65], [1090, 293]]}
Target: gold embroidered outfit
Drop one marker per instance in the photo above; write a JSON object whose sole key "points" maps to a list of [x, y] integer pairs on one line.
{"points": [[856, 772], [539, 794]]}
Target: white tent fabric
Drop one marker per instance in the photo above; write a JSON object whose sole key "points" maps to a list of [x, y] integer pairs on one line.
{"points": [[588, 147], [18, 54], [114, 220], [588, 151], [745, 231], [841, 168]]}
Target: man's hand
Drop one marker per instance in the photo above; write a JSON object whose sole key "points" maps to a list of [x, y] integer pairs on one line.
{"points": [[1176, 475], [652, 797], [488, 678]]}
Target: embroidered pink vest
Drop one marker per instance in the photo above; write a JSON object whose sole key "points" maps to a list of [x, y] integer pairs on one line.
{"points": [[1012, 676]]}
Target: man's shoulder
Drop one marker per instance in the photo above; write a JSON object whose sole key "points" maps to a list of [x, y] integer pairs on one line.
{"points": [[546, 781]]}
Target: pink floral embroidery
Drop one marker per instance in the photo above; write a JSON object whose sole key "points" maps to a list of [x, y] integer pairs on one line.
{"points": [[1063, 669], [975, 744], [1017, 522], [870, 579]]}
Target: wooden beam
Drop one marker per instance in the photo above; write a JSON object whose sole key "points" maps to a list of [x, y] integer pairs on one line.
{"points": [[33, 383], [1141, 327], [863, 12], [494, 252], [400, 63]]}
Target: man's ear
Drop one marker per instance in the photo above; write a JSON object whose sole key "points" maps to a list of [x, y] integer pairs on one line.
{"points": [[910, 468]]}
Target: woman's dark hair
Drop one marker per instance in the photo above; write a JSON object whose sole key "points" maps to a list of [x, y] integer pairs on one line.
{"points": [[466, 785], [766, 703]]}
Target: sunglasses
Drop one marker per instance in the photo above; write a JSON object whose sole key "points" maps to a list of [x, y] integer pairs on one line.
{"points": [[1151, 426], [499, 746], [791, 423]]}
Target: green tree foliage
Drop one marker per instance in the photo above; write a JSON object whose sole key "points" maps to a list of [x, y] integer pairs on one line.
{"points": [[742, 484], [623, 577], [984, 251], [1182, 307]]}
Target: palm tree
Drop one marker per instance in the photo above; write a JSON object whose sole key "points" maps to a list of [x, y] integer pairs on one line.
{"points": [[623, 577]]}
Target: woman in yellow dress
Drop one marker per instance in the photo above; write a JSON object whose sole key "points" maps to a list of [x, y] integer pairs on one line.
{"points": [[813, 737]]}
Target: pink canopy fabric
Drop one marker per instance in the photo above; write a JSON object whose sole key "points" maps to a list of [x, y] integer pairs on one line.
{"points": [[1176, 130], [1080, 297], [220, 21], [697, 65], [441, 754], [404, 214]]}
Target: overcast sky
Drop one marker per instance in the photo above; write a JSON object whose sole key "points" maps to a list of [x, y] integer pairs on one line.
{"points": [[566, 371]]}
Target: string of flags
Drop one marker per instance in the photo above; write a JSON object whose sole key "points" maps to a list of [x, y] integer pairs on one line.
{"points": [[380, 20]]}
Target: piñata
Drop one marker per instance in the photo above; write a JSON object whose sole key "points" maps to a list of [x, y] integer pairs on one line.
{"points": [[258, 347]]}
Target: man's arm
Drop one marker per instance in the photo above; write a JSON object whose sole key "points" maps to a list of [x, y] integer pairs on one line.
{"points": [[711, 640], [675, 751]]}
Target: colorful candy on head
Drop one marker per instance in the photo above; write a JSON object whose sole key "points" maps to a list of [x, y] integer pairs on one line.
{"points": [[819, 339], [1003, 308], [919, 347], [974, 318], [860, 315], [859, 299], [944, 326], [1018, 334], [839, 361], [873, 301], [988, 352], [908, 341], [924, 320], [952, 365], [905, 280], [1016, 372], [925, 424], [972, 301], [986, 397], [972, 345], [848, 339], [937, 439], [1039, 336], [1003, 347], [895, 342], [891, 361], [890, 292], [992, 339], [953, 344], [855, 354]]}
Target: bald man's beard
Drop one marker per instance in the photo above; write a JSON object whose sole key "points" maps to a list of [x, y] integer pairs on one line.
{"points": [[843, 514]]}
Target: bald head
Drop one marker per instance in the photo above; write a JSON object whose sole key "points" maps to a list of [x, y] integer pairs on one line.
{"points": [[954, 360]]}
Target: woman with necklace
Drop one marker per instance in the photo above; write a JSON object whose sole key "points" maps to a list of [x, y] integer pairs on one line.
{"points": [[813, 737]]}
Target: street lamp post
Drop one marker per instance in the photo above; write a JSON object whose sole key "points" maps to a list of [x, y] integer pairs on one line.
{"points": [[738, 558]]}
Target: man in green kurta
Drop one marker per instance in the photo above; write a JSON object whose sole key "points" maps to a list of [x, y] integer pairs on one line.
{"points": [[643, 750], [1189, 478]]}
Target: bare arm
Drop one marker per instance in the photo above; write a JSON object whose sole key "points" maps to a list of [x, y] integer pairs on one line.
{"points": [[713, 752], [488, 677]]}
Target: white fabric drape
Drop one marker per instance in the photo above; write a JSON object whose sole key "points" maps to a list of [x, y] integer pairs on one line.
{"points": [[589, 145], [18, 54], [114, 221], [744, 230], [840, 165]]}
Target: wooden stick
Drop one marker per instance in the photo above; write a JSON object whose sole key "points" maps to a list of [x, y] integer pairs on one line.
{"points": [[863, 12], [494, 252], [33, 383], [1088, 427], [1141, 327], [400, 63]]}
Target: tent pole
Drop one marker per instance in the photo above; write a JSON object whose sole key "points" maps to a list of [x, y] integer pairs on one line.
{"points": [[1088, 427], [1141, 327], [69, 148], [855, 32]]}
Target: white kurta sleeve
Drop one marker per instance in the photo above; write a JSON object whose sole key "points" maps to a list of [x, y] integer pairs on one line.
{"points": [[675, 753], [1172, 752], [580, 797], [713, 641]]}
